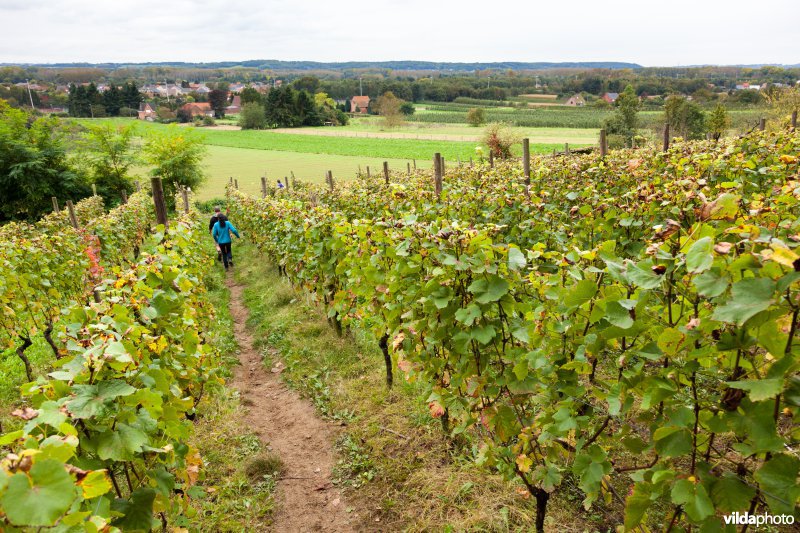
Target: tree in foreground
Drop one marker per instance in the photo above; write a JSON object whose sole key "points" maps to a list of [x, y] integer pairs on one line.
{"points": [[718, 122], [34, 165], [176, 155], [684, 117], [109, 156], [252, 117], [624, 121]]}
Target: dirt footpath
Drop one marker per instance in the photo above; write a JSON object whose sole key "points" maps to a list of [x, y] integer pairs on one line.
{"points": [[306, 498]]}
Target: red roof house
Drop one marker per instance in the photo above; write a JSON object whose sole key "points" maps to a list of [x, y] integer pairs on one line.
{"points": [[359, 104]]}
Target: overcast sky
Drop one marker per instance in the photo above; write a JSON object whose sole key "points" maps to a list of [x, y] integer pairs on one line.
{"points": [[677, 32]]}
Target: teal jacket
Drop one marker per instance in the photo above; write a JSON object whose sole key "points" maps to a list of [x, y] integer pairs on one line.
{"points": [[222, 234]]}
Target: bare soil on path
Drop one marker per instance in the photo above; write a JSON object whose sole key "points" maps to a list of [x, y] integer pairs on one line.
{"points": [[288, 425]]}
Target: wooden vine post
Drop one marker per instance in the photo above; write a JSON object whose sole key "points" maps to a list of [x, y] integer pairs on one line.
{"points": [[437, 173], [185, 196], [566, 148], [526, 160], [762, 124], [329, 178], [55, 205], [263, 186], [603, 143], [138, 185], [72, 218], [236, 184], [158, 201], [124, 195], [94, 189], [491, 158], [665, 146], [286, 182], [408, 165], [794, 119], [386, 172]]}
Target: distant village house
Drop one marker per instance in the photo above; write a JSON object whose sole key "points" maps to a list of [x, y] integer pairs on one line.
{"points": [[199, 109], [576, 101], [147, 111], [610, 97], [359, 104], [235, 107]]}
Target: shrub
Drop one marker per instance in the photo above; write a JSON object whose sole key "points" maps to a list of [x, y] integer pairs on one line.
{"points": [[499, 138], [476, 116], [252, 117]]}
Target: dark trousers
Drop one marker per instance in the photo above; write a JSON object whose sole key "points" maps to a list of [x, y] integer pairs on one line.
{"points": [[227, 254]]}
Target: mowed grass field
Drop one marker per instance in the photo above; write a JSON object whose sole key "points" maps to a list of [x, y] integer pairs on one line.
{"points": [[248, 165], [248, 155]]}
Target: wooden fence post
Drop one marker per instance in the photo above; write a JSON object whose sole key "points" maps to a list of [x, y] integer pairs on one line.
{"points": [[442, 165], [158, 201], [72, 218], [794, 119], [55, 204], [603, 143], [286, 182], [263, 186], [526, 160], [185, 195], [94, 189], [368, 175], [566, 148], [415, 164], [329, 177], [437, 173], [236, 184], [491, 159], [386, 172], [665, 146], [124, 195], [762, 124], [408, 165], [231, 180]]}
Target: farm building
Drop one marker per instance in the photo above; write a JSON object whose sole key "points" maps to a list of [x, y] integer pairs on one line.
{"points": [[576, 101], [359, 104], [610, 97], [235, 107], [146, 111], [199, 109]]}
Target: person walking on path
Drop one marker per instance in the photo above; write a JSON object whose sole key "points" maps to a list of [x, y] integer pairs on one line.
{"points": [[222, 234], [214, 219]]}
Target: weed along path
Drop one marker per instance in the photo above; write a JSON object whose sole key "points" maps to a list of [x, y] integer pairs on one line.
{"points": [[291, 429]]}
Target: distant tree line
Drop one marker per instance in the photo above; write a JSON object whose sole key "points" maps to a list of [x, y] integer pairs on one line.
{"points": [[87, 101]]}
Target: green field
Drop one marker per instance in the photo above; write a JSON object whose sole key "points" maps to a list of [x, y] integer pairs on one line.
{"points": [[247, 166], [247, 155]]}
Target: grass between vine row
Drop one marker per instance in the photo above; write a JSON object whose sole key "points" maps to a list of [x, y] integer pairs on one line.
{"points": [[239, 496], [394, 463]]}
